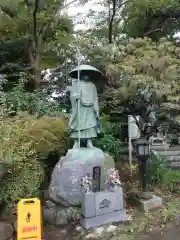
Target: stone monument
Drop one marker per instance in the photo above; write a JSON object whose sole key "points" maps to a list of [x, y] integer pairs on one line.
{"points": [[99, 205], [65, 180], [84, 124], [99, 208]]}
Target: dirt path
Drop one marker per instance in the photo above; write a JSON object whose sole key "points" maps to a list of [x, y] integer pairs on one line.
{"points": [[170, 232], [54, 233], [156, 225]]}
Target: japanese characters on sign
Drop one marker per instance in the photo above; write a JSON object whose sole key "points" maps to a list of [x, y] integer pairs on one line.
{"points": [[29, 229], [96, 178]]}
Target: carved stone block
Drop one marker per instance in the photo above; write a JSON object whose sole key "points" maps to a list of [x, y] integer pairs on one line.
{"points": [[102, 207]]}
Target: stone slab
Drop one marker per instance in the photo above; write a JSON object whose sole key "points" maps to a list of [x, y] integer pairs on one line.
{"points": [[146, 205], [100, 203], [116, 216], [88, 205], [106, 202]]}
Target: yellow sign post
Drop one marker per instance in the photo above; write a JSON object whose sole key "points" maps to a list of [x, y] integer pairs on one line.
{"points": [[29, 219]]}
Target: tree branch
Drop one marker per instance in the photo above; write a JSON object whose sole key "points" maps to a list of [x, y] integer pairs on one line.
{"points": [[111, 20], [35, 35], [122, 4], [151, 31], [7, 15], [54, 15], [158, 28], [14, 65], [167, 15], [115, 9]]}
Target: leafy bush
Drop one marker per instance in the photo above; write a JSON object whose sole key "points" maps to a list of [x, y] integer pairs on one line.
{"points": [[37, 102], [109, 144], [172, 180], [159, 173], [108, 141], [25, 143], [156, 169]]}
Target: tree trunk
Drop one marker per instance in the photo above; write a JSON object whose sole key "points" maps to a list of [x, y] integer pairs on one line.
{"points": [[110, 30], [37, 79], [37, 73], [35, 64]]}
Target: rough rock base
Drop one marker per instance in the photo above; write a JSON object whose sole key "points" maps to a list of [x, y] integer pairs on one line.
{"points": [[65, 186], [59, 215], [146, 205], [6, 231], [116, 216]]}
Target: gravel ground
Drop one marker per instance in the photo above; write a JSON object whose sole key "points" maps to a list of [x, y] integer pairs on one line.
{"points": [[170, 232]]}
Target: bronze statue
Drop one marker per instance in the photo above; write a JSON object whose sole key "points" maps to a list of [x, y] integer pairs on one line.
{"points": [[84, 124]]}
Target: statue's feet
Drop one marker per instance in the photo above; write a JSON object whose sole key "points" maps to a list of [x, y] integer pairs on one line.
{"points": [[75, 144], [89, 144]]}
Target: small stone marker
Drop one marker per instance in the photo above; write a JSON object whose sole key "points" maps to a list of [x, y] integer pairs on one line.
{"points": [[96, 178], [153, 203], [99, 208]]}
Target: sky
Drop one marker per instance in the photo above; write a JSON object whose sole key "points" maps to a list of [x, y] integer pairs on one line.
{"points": [[79, 13]]}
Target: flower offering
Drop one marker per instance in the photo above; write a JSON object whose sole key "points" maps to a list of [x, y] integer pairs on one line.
{"points": [[86, 183], [113, 177]]}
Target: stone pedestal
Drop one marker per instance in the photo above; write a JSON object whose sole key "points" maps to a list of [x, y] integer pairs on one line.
{"points": [[146, 205], [65, 181], [102, 207], [116, 216]]}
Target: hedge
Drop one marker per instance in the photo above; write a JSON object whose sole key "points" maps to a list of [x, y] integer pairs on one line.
{"points": [[25, 142]]}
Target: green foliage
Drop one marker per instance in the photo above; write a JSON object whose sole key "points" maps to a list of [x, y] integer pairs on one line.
{"points": [[109, 142], [26, 142], [28, 36], [144, 65], [132, 67], [17, 17], [154, 19], [160, 174], [37, 102], [136, 67], [156, 169], [172, 180]]}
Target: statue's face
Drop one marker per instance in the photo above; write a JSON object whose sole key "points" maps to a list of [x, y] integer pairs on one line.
{"points": [[85, 78]]}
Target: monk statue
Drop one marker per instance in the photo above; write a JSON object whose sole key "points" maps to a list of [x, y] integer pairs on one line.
{"points": [[85, 92]]}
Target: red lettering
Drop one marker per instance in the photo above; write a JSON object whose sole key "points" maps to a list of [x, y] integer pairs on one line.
{"points": [[35, 228], [24, 229], [29, 229]]}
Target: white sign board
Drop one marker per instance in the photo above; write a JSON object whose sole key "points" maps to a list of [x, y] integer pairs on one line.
{"points": [[133, 130]]}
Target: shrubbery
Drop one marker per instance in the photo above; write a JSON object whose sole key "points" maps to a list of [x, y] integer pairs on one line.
{"points": [[160, 174], [108, 141], [156, 169], [25, 144]]}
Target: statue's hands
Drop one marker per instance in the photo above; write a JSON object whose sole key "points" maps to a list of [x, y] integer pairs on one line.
{"points": [[77, 96]]}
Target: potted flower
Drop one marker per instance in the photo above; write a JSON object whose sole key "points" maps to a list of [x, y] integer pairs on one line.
{"points": [[113, 179], [86, 183]]}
